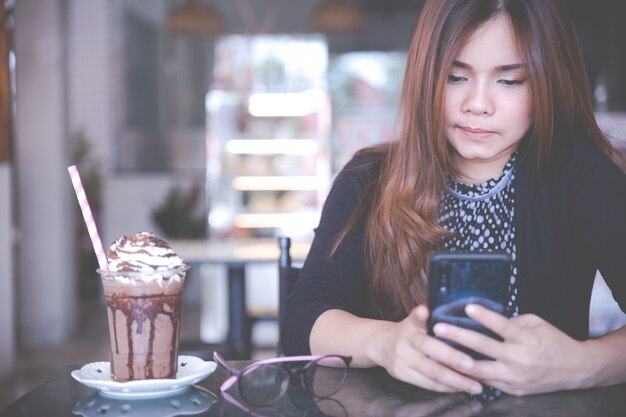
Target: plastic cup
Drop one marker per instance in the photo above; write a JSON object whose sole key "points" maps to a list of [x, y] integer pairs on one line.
{"points": [[144, 313]]}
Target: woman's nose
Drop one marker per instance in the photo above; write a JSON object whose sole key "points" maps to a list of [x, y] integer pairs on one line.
{"points": [[478, 100]]}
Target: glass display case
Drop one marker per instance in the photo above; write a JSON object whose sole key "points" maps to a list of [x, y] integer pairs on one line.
{"points": [[268, 127]]}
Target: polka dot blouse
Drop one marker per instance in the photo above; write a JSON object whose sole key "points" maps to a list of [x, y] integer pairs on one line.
{"points": [[481, 217]]}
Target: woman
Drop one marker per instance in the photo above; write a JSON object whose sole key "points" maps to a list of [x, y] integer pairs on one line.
{"points": [[498, 149]]}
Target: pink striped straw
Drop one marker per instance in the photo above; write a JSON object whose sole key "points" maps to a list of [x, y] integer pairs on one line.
{"points": [[88, 216]]}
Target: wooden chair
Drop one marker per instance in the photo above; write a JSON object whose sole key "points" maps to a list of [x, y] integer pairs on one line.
{"points": [[287, 277]]}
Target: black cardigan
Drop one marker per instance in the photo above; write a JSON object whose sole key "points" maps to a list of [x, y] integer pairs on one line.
{"points": [[570, 221]]}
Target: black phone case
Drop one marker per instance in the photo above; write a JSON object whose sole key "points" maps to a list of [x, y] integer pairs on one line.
{"points": [[456, 279]]}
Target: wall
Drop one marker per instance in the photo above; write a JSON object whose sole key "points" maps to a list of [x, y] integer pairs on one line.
{"points": [[7, 325], [131, 199], [91, 69], [45, 201]]}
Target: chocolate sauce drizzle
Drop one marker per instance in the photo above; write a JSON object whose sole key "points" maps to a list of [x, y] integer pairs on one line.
{"points": [[137, 309]]}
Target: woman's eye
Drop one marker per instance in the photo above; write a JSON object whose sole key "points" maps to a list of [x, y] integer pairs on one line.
{"points": [[455, 78], [512, 82]]}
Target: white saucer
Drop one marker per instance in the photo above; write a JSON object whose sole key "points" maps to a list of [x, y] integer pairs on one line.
{"points": [[191, 370]]}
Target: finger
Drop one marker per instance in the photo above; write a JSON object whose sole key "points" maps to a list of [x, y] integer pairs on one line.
{"points": [[413, 375], [419, 316], [471, 339], [438, 350], [501, 385], [441, 374], [489, 370], [495, 322], [423, 381], [422, 313]]}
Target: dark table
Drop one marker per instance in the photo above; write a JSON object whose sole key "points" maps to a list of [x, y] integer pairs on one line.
{"points": [[367, 392], [235, 254]]}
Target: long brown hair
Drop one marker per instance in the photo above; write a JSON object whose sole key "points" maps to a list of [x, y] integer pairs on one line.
{"points": [[403, 201]]}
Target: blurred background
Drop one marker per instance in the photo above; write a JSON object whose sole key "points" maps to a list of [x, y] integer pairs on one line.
{"points": [[198, 119]]}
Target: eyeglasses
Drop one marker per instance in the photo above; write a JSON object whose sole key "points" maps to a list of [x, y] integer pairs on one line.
{"points": [[265, 382]]}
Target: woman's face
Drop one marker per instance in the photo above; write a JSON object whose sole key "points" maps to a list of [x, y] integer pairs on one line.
{"points": [[487, 103]]}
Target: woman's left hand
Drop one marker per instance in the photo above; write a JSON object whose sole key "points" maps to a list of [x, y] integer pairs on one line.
{"points": [[534, 356]]}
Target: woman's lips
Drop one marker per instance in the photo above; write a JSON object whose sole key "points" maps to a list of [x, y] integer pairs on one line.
{"points": [[476, 132]]}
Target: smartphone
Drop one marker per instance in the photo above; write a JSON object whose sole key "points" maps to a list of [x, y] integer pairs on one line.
{"points": [[456, 279]]}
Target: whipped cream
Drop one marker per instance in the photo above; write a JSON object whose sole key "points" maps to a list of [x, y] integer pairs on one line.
{"points": [[143, 252]]}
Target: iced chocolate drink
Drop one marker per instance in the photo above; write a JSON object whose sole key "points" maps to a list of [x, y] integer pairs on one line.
{"points": [[143, 289]]}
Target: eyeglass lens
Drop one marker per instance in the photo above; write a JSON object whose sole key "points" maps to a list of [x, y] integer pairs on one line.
{"points": [[325, 376], [265, 384]]}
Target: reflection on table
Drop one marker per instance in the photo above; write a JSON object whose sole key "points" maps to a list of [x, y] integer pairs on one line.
{"points": [[235, 254], [366, 392], [195, 400]]}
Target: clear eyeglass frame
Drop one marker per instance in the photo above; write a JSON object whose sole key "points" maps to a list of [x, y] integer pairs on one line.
{"points": [[238, 376]]}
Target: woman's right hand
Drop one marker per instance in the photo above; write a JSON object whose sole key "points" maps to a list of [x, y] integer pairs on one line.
{"points": [[409, 354]]}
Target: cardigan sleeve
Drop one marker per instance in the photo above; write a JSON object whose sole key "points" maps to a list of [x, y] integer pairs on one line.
{"points": [[326, 283], [599, 202]]}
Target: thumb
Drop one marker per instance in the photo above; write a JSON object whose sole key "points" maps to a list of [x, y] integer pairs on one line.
{"points": [[419, 316]]}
